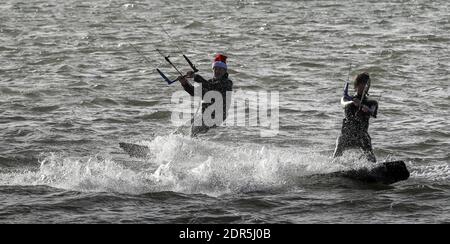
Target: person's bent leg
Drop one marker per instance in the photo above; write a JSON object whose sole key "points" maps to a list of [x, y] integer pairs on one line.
{"points": [[339, 147], [367, 148]]}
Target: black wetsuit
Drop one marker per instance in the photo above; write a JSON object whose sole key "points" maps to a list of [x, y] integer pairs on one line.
{"points": [[221, 85], [355, 126]]}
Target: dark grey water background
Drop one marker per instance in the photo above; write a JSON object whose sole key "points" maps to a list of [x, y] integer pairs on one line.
{"points": [[71, 88]]}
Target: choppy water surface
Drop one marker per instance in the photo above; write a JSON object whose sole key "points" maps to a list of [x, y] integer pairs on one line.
{"points": [[72, 87]]}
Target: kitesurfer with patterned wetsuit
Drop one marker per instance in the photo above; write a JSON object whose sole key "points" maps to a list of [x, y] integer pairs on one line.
{"points": [[219, 83], [354, 133]]}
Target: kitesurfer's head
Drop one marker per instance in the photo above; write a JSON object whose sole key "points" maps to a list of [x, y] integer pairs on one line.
{"points": [[220, 66], [360, 83]]}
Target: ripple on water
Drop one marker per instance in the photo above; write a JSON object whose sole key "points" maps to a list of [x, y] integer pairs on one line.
{"points": [[45, 109]]}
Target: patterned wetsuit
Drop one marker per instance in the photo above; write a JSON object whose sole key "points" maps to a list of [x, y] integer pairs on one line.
{"points": [[354, 133], [219, 85]]}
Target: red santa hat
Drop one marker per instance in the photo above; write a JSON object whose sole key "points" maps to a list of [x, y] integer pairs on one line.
{"points": [[220, 61]]}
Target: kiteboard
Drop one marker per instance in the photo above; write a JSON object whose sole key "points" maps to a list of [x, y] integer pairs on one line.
{"points": [[135, 150], [384, 173]]}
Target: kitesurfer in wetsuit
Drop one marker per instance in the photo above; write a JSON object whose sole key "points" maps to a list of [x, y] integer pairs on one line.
{"points": [[358, 110], [219, 83]]}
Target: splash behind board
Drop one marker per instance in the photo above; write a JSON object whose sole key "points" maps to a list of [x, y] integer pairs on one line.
{"points": [[384, 173]]}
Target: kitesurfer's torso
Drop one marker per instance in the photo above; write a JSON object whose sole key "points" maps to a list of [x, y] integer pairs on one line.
{"points": [[222, 85], [356, 121]]}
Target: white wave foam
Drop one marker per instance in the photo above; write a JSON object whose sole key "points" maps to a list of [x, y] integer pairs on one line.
{"points": [[182, 164], [432, 172]]}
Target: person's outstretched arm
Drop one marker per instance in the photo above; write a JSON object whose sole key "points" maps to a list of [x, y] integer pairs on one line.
{"points": [[199, 79], [370, 107], [346, 102], [186, 85]]}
